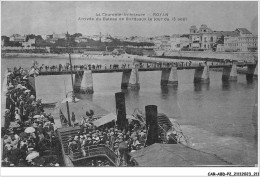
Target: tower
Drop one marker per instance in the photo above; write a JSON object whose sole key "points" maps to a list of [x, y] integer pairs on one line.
{"points": [[193, 29]]}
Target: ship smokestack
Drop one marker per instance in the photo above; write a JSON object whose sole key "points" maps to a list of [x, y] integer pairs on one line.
{"points": [[121, 110], [151, 124]]}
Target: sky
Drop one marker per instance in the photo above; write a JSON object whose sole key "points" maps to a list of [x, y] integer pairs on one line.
{"points": [[58, 17]]}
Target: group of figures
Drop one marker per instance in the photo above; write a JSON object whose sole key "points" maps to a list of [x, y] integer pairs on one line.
{"points": [[67, 67], [121, 142], [29, 134], [75, 67]]}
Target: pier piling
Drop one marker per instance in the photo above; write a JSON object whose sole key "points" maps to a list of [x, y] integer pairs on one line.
{"points": [[77, 82], [173, 78], [134, 78], [197, 75], [87, 82], [169, 76], [201, 75], [230, 73], [165, 76], [233, 73], [226, 74], [205, 75], [250, 72], [125, 79]]}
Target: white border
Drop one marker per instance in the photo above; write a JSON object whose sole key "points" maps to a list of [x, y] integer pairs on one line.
{"points": [[120, 171]]}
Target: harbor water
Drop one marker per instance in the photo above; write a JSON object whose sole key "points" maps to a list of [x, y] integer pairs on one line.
{"points": [[216, 117]]}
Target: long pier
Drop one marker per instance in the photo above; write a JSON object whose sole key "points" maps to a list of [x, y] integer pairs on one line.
{"points": [[83, 80], [64, 72]]}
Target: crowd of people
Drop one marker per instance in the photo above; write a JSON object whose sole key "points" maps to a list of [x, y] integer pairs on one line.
{"points": [[121, 141], [67, 66], [29, 133], [95, 162]]}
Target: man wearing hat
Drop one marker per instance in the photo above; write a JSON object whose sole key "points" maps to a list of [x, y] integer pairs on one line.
{"points": [[77, 141], [81, 139], [143, 137], [89, 140], [116, 131], [115, 148], [73, 145], [14, 142], [135, 143], [97, 139], [7, 139], [102, 139]]}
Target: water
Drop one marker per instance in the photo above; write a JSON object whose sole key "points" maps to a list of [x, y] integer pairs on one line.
{"points": [[218, 109]]}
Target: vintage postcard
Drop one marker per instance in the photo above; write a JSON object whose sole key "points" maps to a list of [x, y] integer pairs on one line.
{"points": [[130, 84]]}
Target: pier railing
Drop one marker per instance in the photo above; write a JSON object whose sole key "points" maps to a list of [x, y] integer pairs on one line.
{"points": [[181, 66]]}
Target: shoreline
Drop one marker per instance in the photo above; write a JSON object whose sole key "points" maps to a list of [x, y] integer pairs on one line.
{"points": [[220, 55], [38, 55], [123, 57]]}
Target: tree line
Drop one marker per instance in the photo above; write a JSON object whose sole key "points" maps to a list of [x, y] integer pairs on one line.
{"points": [[70, 42]]}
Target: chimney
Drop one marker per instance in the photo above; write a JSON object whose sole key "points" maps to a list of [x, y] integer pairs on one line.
{"points": [[152, 124], [121, 110]]}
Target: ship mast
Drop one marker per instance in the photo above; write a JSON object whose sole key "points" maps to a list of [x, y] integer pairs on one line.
{"points": [[69, 51]]}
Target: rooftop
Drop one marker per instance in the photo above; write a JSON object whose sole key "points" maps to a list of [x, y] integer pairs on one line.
{"points": [[227, 33], [243, 30]]}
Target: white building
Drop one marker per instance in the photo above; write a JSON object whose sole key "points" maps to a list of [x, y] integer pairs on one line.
{"points": [[202, 38], [231, 44], [59, 36], [244, 41], [29, 43], [17, 38], [81, 39], [165, 45], [220, 48], [45, 36], [94, 37], [177, 42], [105, 40]]}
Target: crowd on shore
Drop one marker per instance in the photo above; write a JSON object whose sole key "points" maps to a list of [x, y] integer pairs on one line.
{"points": [[29, 133]]}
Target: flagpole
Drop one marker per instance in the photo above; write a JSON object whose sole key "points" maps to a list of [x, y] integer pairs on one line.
{"points": [[71, 74]]}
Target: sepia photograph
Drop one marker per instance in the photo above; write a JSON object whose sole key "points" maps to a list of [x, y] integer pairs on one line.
{"points": [[129, 84]]}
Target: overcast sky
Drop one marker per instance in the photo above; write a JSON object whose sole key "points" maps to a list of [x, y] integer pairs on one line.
{"points": [[58, 17]]}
